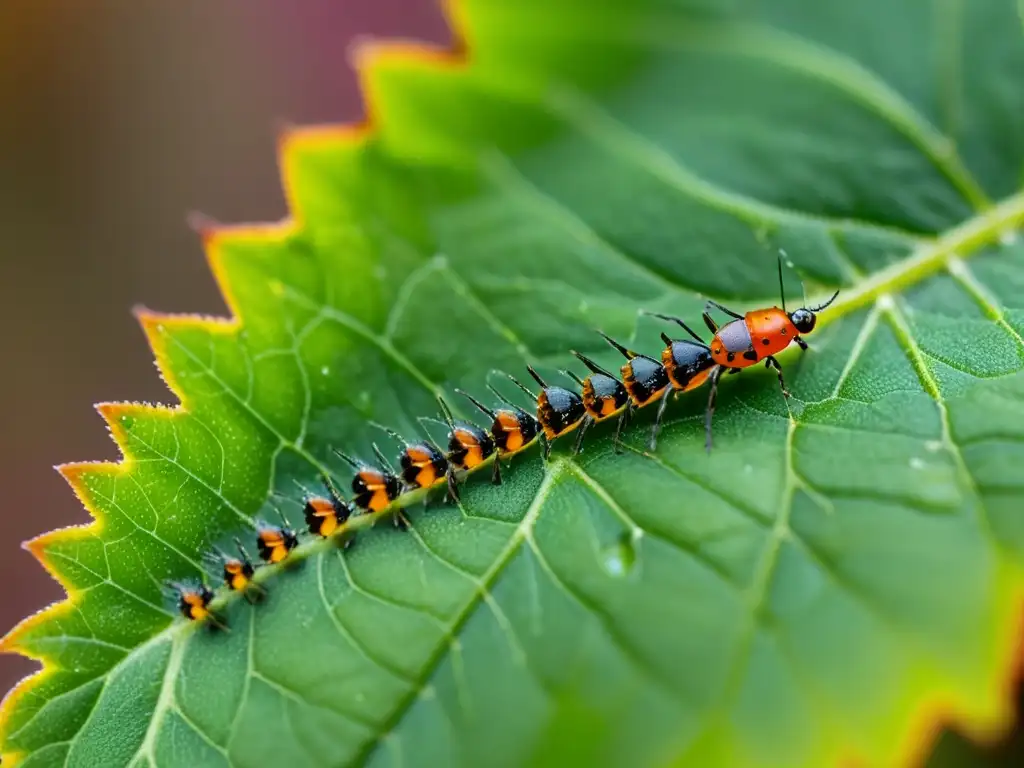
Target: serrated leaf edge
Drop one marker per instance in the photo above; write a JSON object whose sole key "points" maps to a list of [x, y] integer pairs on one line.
{"points": [[923, 727]]}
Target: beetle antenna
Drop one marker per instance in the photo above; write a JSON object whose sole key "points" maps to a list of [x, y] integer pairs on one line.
{"points": [[591, 365], [626, 353], [477, 403], [822, 306], [782, 286], [536, 376]]}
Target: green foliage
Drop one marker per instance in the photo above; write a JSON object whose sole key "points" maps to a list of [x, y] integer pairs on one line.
{"points": [[843, 569]]}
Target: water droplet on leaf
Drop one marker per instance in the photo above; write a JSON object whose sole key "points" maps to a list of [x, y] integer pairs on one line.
{"points": [[619, 558]]}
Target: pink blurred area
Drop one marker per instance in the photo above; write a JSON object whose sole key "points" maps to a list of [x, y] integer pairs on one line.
{"points": [[118, 118]]}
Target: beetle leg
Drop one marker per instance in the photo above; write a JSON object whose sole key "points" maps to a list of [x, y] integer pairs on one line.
{"points": [[587, 421], [618, 429], [652, 444], [496, 471], [771, 362], [453, 486], [800, 343], [711, 406]]}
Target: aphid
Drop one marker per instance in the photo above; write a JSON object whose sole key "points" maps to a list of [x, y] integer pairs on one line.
{"points": [[325, 514], [375, 487], [603, 396], [512, 429], [469, 446], [688, 364], [423, 464], [194, 602], [559, 410], [758, 335], [644, 377], [275, 542]]}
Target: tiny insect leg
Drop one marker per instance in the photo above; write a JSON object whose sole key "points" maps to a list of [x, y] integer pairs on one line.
{"points": [[709, 414], [801, 343], [652, 444], [400, 521], [587, 421], [623, 418], [771, 362], [496, 471], [453, 485]]}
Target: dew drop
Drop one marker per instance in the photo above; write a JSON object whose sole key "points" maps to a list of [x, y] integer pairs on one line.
{"points": [[748, 468], [789, 263], [620, 557], [916, 463], [325, 371], [933, 446]]}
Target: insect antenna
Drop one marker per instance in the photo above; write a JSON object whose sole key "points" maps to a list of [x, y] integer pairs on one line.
{"points": [[822, 306], [447, 412], [678, 321], [483, 408], [574, 377], [594, 367], [626, 353], [385, 464], [389, 431], [502, 398], [354, 463], [516, 381], [782, 287], [536, 376]]}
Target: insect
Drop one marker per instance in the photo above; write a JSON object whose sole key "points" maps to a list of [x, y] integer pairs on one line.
{"points": [[275, 542], [559, 410], [603, 396], [758, 335], [194, 602], [688, 364], [512, 429], [375, 487], [644, 378], [423, 464], [238, 571], [469, 446], [325, 514]]}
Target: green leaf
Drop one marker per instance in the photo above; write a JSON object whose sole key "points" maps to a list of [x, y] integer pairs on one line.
{"points": [[840, 575]]}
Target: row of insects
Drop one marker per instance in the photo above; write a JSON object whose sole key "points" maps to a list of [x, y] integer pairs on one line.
{"points": [[685, 364]]}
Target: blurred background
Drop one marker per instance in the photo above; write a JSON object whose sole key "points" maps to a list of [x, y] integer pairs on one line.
{"points": [[118, 118]]}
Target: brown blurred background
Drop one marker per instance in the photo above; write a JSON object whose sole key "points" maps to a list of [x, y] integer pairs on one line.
{"points": [[117, 118]]}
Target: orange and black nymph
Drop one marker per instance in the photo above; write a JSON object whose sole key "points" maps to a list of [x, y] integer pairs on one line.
{"points": [[644, 377], [325, 514], [469, 446], [688, 364], [374, 486], [603, 396], [274, 542], [193, 602], [238, 572], [512, 429], [559, 410], [423, 465]]}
